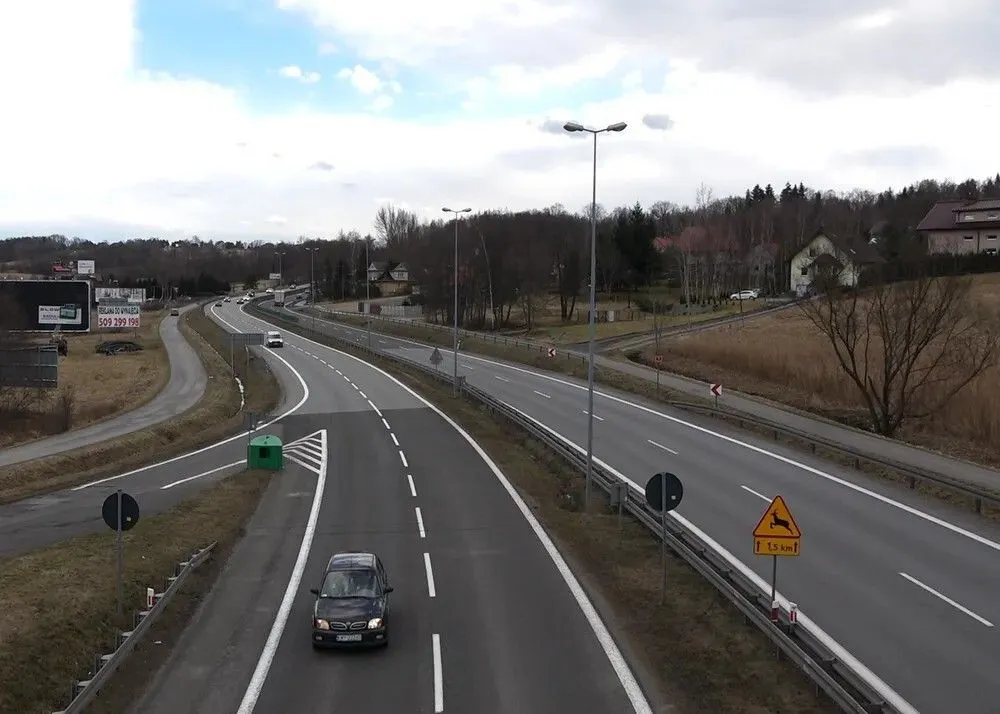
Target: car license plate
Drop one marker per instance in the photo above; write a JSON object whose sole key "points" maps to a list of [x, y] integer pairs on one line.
{"points": [[349, 638]]}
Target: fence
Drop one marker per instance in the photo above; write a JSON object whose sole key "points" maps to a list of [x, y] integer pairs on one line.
{"points": [[105, 665], [913, 475], [819, 660]]}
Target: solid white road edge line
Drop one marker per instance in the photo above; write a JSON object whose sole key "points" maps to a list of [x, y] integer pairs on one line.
{"points": [[755, 493], [256, 685], [430, 575], [305, 397], [764, 452], [618, 662], [948, 600], [838, 650], [438, 676], [205, 473]]}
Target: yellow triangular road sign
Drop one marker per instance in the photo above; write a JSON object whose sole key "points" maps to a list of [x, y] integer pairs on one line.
{"points": [[777, 522]]}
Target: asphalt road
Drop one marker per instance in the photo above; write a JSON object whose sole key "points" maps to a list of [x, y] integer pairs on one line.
{"points": [[469, 573], [185, 387], [906, 583]]}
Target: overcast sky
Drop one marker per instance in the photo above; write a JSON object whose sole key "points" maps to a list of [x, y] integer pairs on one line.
{"points": [[278, 118]]}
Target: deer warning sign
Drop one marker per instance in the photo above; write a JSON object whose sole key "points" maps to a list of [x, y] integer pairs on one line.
{"points": [[776, 533]]}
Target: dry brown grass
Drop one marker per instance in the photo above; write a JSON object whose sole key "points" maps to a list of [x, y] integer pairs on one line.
{"points": [[703, 655], [59, 602], [92, 386], [785, 358], [215, 416]]}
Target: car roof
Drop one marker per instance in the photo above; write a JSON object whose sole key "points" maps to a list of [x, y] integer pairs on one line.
{"points": [[351, 560]]}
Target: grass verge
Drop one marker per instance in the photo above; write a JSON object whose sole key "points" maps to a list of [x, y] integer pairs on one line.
{"points": [[216, 415], [50, 630], [92, 387], [700, 652]]}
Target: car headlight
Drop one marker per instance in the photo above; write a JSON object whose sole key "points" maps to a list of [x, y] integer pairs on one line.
{"points": [[321, 624], [375, 623]]}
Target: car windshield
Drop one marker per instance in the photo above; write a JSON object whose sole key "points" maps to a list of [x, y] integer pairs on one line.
{"points": [[349, 583]]}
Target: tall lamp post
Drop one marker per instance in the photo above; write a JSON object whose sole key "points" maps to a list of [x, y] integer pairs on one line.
{"points": [[368, 293], [575, 127], [454, 338], [280, 274], [312, 284]]}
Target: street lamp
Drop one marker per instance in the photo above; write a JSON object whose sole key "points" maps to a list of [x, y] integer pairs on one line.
{"points": [[455, 329], [312, 284], [368, 293], [575, 127], [279, 254]]}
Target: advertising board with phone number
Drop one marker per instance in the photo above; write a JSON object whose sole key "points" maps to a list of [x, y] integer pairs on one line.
{"points": [[129, 321]]}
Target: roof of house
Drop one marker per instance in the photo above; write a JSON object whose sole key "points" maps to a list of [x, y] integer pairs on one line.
{"points": [[942, 216], [860, 251]]}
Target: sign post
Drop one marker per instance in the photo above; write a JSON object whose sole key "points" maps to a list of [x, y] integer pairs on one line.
{"points": [[664, 492], [716, 390], [120, 512], [778, 535], [659, 362]]}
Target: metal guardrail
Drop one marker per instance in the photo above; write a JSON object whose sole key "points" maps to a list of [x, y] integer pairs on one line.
{"points": [[845, 687], [913, 474], [105, 665]]}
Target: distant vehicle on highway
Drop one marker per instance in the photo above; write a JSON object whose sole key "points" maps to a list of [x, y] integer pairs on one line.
{"points": [[174, 311], [240, 301], [218, 304], [227, 299], [744, 295], [352, 606], [274, 339]]}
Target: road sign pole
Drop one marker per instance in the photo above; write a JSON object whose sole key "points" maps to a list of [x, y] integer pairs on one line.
{"points": [[774, 586], [232, 353], [120, 549], [663, 535]]}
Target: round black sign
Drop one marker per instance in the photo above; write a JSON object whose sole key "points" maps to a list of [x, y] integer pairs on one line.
{"points": [[660, 484], [130, 511]]}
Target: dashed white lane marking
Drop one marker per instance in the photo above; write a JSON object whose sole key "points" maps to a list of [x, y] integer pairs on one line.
{"points": [[761, 496], [420, 522], [413, 487], [661, 446], [502, 379], [438, 676], [599, 418], [541, 394], [394, 439], [386, 424], [430, 575], [948, 600], [402, 457]]}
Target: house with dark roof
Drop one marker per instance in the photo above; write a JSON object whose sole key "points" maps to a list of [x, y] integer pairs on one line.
{"points": [[391, 278], [826, 254], [962, 227]]}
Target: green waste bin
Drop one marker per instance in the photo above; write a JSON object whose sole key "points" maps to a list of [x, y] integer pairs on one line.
{"points": [[264, 452]]}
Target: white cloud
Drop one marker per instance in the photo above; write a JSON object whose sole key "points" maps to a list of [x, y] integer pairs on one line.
{"points": [[294, 72], [327, 48], [96, 146]]}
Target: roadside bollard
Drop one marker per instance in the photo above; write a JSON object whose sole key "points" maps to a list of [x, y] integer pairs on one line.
{"points": [[793, 616], [775, 610]]}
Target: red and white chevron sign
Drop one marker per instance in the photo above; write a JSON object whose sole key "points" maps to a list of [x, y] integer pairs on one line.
{"points": [[717, 389], [552, 351]]}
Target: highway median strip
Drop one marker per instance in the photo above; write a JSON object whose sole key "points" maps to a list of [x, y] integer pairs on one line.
{"points": [[59, 601], [216, 416], [700, 653]]}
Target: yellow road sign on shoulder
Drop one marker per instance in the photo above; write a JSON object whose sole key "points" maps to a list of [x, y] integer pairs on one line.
{"points": [[777, 533]]}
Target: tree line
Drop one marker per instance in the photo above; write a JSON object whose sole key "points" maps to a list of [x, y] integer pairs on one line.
{"points": [[509, 259]]}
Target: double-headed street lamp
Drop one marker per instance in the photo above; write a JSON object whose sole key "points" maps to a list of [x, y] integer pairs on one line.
{"points": [[312, 284], [575, 127], [456, 211]]}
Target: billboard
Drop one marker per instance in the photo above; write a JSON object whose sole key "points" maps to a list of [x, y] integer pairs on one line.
{"points": [[133, 295], [45, 305], [84, 267], [119, 316], [274, 276], [30, 367]]}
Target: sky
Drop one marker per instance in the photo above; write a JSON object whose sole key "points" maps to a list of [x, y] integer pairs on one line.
{"points": [[274, 119]]}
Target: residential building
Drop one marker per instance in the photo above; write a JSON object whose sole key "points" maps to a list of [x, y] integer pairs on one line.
{"points": [[847, 258], [391, 278], [962, 227]]}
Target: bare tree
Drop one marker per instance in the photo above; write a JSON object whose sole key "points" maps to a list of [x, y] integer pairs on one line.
{"points": [[908, 347], [394, 226]]}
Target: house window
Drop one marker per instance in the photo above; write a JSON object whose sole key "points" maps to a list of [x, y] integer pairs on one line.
{"points": [[968, 237], [991, 251], [805, 271], [812, 252], [993, 237]]}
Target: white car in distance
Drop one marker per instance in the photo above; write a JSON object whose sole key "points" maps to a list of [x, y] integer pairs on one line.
{"points": [[273, 339], [744, 295]]}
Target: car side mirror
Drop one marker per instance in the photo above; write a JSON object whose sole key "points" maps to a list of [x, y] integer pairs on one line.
{"points": [[314, 591], [388, 590]]}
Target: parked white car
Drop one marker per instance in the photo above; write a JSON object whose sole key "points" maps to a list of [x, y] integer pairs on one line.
{"points": [[274, 339], [745, 295]]}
